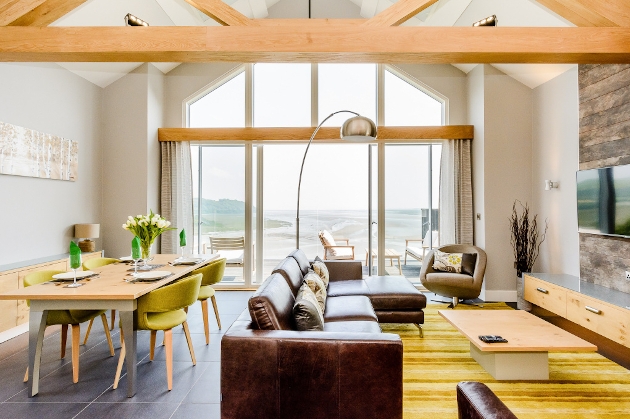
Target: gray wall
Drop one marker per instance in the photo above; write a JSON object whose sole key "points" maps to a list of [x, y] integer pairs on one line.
{"points": [[39, 214], [132, 110], [555, 157], [505, 169], [604, 141]]}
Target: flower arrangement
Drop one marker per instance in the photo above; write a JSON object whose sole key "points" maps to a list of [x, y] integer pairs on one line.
{"points": [[147, 228], [525, 238]]}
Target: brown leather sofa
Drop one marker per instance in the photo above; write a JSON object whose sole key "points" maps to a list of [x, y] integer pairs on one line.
{"points": [[476, 401], [348, 370]]}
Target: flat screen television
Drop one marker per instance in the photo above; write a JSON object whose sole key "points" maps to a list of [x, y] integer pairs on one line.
{"points": [[603, 201]]}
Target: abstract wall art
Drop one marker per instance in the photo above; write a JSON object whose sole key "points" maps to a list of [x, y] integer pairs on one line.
{"points": [[26, 152]]}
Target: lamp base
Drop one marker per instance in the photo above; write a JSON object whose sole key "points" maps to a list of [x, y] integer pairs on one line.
{"points": [[87, 245]]}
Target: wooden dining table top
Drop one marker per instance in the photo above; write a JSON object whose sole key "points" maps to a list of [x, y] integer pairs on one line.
{"points": [[110, 284]]}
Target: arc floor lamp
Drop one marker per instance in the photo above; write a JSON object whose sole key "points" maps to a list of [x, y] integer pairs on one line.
{"points": [[357, 129]]}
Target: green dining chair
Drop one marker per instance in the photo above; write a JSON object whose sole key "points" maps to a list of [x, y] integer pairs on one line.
{"points": [[89, 265], [212, 273], [163, 309], [65, 318]]}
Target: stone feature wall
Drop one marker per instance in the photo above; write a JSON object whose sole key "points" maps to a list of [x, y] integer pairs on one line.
{"points": [[604, 92]]}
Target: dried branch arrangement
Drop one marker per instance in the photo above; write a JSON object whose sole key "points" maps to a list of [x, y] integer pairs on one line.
{"points": [[525, 239]]}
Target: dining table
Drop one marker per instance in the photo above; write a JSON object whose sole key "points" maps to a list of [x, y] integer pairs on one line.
{"points": [[110, 287]]}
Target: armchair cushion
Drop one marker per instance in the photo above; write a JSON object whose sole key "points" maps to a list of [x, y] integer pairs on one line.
{"points": [[469, 260], [307, 312], [447, 262]]}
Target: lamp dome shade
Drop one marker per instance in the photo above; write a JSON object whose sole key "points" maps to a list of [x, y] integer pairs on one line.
{"points": [[86, 231], [358, 129]]}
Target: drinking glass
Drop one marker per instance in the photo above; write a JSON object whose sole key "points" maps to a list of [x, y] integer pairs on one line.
{"points": [[75, 263]]}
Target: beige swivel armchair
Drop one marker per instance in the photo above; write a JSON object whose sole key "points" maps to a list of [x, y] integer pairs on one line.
{"points": [[456, 286]]}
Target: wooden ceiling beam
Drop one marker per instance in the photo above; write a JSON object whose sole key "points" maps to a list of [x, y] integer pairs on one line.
{"points": [[429, 45], [399, 12], [44, 13], [304, 133], [577, 13], [11, 10], [223, 13]]}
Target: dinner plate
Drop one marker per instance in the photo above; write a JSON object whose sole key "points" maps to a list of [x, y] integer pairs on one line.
{"points": [[70, 275], [187, 261], [125, 259], [152, 275]]}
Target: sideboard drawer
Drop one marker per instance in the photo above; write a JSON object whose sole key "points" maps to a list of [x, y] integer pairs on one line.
{"points": [[548, 296], [600, 317]]}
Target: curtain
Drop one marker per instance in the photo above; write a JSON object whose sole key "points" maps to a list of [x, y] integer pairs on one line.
{"points": [[456, 209], [176, 204]]}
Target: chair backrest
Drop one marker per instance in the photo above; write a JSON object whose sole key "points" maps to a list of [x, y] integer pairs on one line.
{"points": [[212, 272], [326, 238], [38, 277], [432, 236], [93, 263], [226, 243], [171, 297]]}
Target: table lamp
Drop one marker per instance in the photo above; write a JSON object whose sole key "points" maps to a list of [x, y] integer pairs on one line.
{"points": [[87, 232]]}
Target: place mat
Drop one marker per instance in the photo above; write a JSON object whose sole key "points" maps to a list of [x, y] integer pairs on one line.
{"points": [[133, 281], [141, 268]]}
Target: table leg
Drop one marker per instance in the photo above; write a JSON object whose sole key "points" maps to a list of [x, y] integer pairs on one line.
{"points": [[36, 328], [130, 335], [399, 267]]}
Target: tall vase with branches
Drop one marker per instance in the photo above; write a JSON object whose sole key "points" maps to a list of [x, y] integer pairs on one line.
{"points": [[526, 241]]}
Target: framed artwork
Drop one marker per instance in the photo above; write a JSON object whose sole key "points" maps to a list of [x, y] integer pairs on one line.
{"points": [[26, 152]]}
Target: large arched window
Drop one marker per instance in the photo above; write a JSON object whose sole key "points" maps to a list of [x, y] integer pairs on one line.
{"points": [[335, 182]]}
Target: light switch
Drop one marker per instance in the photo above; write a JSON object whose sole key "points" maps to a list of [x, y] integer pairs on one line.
{"points": [[478, 216]]}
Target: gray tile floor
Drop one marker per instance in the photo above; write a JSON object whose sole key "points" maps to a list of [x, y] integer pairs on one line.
{"points": [[196, 390]]}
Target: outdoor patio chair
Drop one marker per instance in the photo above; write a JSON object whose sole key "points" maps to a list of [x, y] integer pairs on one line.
{"points": [[418, 253], [334, 251]]}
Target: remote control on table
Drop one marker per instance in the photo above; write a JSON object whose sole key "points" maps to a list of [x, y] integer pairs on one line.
{"points": [[492, 339]]}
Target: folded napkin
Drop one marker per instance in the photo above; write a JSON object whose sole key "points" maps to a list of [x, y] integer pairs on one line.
{"points": [[75, 256]]}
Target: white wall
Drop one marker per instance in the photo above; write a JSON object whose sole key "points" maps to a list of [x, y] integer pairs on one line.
{"points": [[39, 214], [505, 169], [555, 157]]}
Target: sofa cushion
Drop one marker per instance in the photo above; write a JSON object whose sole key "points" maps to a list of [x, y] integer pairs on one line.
{"points": [[271, 306], [349, 307], [307, 313], [301, 259], [291, 271], [316, 285], [394, 293], [320, 268], [349, 287], [352, 327]]}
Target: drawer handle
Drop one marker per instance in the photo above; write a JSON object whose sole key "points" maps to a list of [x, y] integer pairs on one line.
{"points": [[593, 310], [544, 291]]}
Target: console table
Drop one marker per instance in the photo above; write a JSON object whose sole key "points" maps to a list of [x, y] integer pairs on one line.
{"points": [[602, 310]]}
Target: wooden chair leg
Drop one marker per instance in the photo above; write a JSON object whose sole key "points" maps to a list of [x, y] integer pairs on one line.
{"points": [[87, 332], [168, 342], [121, 360], [26, 375], [152, 347], [216, 310], [204, 314], [189, 341], [113, 315], [64, 339], [107, 334], [76, 339]]}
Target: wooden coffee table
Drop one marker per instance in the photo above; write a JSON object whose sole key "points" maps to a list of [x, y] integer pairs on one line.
{"points": [[530, 339], [390, 254]]}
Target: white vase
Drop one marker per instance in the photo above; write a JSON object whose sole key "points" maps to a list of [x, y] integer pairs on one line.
{"points": [[521, 303]]}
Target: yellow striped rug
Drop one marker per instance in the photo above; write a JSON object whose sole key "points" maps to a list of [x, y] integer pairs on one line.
{"points": [[581, 385]]}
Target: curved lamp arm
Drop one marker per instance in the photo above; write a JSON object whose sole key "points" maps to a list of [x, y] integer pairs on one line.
{"points": [[297, 216]]}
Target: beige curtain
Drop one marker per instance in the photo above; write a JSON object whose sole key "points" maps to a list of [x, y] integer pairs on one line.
{"points": [[456, 209], [176, 194]]}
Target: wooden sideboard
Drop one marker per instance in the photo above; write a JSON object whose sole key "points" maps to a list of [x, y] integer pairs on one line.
{"points": [[15, 312], [602, 310]]}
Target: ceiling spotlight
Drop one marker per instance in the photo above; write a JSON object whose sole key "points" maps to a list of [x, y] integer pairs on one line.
{"points": [[131, 20], [489, 21]]}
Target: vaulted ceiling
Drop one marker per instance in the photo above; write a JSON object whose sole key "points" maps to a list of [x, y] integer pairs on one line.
{"points": [[375, 13]]}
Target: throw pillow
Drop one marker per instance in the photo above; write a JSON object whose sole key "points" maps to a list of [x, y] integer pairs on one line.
{"points": [[320, 269], [306, 311], [469, 260], [316, 285], [447, 262], [328, 240]]}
